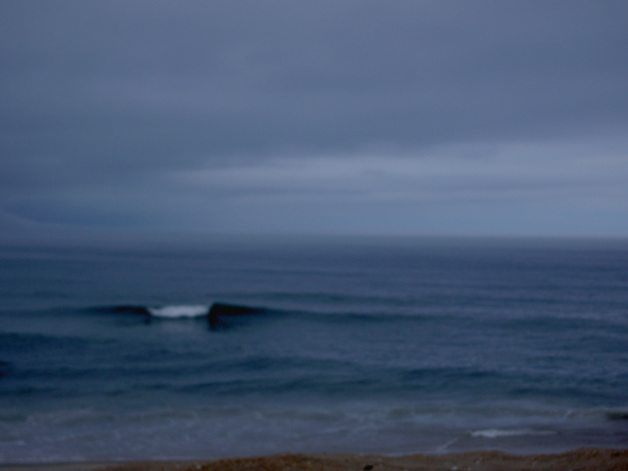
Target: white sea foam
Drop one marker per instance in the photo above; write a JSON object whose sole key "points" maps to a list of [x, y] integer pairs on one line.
{"points": [[497, 433], [175, 312]]}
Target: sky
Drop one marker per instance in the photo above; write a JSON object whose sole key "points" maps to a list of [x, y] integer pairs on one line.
{"points": [[174, 119]]}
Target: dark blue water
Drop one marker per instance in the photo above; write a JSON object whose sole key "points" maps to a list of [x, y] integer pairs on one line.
{"points": [[380, 346]]}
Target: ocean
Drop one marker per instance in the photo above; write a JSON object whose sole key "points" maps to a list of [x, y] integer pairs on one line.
{"points": [[388, 346]]}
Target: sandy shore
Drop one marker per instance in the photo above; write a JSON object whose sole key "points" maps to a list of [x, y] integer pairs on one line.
{"points": [[577, 460]]}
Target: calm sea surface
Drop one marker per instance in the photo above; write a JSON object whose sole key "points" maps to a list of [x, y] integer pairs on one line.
{"points": [[380, 346]]}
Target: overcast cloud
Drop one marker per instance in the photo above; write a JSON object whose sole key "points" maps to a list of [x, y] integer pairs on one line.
{"points": [[124, 118]]}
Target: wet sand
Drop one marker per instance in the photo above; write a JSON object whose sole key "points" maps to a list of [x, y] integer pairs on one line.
{"points": [[577, 460]]}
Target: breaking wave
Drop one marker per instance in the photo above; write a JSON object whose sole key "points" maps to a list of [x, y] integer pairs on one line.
{"points": [[164, 312], [497, 433], [176, 312]]}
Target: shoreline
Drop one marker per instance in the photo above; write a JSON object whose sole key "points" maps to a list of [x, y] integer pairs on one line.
{"points": [[583, 459]]}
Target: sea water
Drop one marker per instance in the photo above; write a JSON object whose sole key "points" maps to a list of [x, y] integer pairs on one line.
{"points": [[369, 346]]}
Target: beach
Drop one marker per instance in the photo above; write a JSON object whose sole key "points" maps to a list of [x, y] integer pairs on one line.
{"points": [[582, 459]]}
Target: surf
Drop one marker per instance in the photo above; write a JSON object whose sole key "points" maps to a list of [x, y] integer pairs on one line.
{"points": [[179, 311]]}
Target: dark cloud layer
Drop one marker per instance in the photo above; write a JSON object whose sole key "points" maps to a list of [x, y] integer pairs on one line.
{"points": [[102, 97]]}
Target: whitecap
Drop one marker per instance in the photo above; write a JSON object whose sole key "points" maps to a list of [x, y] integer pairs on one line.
{"points": [[497, 433], [176, 312]]}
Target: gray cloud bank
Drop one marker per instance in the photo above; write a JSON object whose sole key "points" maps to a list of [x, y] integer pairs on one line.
{"points": [[404, 117]]}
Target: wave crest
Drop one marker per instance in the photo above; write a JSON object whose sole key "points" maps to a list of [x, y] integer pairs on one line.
{"points": [[181, 311], [497, 433]]}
